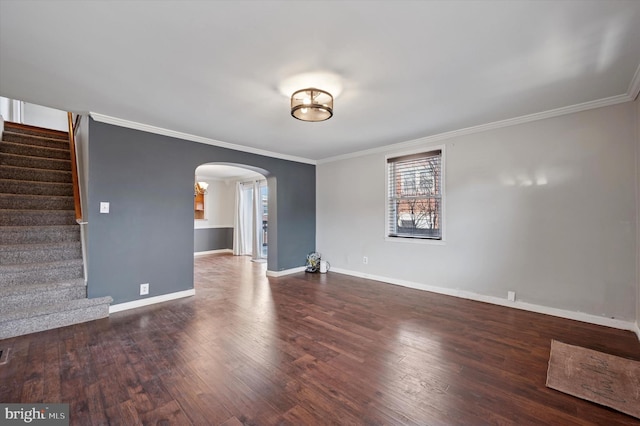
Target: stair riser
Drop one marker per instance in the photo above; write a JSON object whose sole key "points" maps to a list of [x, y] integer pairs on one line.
{"points": [[32, 300], [47, 322], [35, 151], [38, 255], [38, 236], [34, 162], [35, 140], [26, 218], [35, 175], [35, 188], [35, 202], [42, 275]]}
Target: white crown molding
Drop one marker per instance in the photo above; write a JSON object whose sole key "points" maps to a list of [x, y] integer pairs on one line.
{"points": [[151, 300], [634, 86], [631, 95], [562, 313], [276, 274], [186, 136], [613, 100]]}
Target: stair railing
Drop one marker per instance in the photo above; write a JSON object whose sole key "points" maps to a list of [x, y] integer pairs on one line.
{"points": [[74, 169]]}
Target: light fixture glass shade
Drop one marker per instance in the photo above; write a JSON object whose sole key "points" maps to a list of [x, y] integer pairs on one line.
{"points": [[311, 105]]}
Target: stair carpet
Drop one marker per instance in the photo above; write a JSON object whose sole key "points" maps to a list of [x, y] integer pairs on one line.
{"points": [[41, 269]]}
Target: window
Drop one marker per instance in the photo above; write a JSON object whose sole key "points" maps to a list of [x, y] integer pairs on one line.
{"points": [[415, 196]]}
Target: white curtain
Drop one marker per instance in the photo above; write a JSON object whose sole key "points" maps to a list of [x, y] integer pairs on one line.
{"points": [[248, 220], [243, 221], [257, 221], [237, 220]]}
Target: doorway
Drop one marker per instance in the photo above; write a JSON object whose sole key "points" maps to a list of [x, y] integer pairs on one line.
{"points": [[252, 220], [234, 215]]}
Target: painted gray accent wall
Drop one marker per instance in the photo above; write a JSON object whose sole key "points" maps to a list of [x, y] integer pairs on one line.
{"points": [[148, 236], [206, 239]]}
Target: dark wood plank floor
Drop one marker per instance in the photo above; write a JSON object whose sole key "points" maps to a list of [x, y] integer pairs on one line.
{"points": [[307, 349]]}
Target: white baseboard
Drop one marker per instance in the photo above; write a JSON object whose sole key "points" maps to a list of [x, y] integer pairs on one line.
{"points": [[276, 274], [562, 313], [202, 253], [151, 300], [637, 330]]}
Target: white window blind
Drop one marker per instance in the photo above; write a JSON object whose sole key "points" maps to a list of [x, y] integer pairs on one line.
{"points": [[415, 196]]}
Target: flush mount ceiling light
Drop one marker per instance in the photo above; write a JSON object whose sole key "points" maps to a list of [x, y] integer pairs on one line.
{"points": [[312, 105]]}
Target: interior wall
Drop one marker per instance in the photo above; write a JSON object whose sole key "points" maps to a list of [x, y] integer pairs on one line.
{"points": [[148, 236], [637, 104], [41, 116], [215, 232], [546, 209], [219, 204]]}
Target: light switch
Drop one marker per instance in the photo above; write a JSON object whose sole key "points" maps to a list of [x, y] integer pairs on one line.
{"points": [[104, 207]]}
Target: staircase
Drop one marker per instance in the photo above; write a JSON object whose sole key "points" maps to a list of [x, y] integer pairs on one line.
{"points": [[41, 268]]}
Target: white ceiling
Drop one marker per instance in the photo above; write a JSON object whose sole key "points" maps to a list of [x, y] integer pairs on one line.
{"points": [[406, 69]]}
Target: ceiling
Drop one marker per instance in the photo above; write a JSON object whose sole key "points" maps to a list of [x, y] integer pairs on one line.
{"points": [[403, 69], [225, 172]]}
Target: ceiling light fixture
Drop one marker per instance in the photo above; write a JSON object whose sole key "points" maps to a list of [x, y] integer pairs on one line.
{"points": [[311, 105]]}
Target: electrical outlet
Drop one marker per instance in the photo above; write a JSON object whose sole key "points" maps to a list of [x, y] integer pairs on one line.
{"points": [[365, 260], [511, 295], [104, 207], [144, 289]]}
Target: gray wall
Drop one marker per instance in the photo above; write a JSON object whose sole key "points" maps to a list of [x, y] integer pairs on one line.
{"points": [[546, 209], [148, 236], [206, 239]]}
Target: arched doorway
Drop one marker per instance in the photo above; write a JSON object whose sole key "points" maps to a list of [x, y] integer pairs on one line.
{"points": [[231, 210]]}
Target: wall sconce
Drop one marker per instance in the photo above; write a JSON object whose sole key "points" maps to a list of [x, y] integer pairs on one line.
{"points": [[200, 188]]}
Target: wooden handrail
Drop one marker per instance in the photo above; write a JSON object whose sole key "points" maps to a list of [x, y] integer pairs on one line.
{"points": [[74, 169]]}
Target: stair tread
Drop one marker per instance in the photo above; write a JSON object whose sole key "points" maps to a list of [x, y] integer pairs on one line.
{"points": [[48, 148], [35, 182], [11, 194], [24, 267], [2, 154], [68, 172], [40, 287], [32, 211], [35, 162], [36, 196], [27, 135], [21, 128], [69, 305], [40, 246], [39, 227]]}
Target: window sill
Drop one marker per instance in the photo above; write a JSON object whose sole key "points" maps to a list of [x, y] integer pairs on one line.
{"points": [[426, 241]]}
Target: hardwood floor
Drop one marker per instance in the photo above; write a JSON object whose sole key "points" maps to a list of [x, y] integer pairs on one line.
{"points": [[307, 349]]}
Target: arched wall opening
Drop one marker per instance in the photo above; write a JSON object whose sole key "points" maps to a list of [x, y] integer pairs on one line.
{"points": [[232, 214], [148, 236]]}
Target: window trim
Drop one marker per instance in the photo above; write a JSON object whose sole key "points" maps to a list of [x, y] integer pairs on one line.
{"points": [[443, 202]]}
